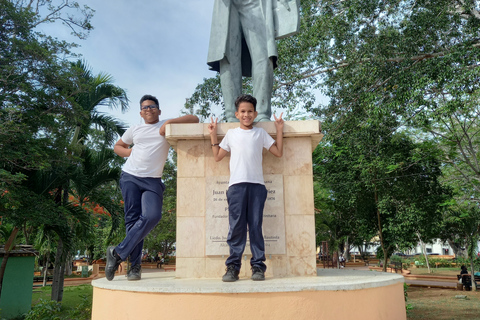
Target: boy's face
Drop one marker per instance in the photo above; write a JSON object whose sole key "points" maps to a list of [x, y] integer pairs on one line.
{"points": [[246, 114], [150, 112]]}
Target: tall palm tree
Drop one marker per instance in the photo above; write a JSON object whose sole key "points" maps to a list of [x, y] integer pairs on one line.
{"points": [[90, 169]]}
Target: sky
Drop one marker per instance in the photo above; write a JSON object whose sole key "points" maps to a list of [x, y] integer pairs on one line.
{"points": [[156, 47]]}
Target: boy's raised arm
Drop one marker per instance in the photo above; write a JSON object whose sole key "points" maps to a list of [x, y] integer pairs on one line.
{"points": [[218, 153], [189, 118], [277, 148]]}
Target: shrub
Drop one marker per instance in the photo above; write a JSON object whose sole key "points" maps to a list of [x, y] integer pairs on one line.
{"points": [[395, 258], [45, 310], [83, 311]]}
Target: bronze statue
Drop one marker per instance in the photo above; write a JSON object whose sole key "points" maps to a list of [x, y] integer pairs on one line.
{"points": [[242, 43]]}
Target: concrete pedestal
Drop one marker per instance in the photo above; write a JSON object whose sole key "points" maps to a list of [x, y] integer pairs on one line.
{"points": [[333, 294]]}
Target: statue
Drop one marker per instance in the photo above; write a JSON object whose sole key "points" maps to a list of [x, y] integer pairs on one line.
{"points": [[242, 43]]}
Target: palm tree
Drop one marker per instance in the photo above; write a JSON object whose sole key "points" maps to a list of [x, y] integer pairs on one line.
{"points": [[89, 93], [90, 169]]}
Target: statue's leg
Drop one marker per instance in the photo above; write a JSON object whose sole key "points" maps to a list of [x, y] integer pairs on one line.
{"points": [[231, 67], [255, 33]]}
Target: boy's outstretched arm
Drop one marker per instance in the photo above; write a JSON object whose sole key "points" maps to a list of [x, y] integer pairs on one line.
{"points": [[189, 118], [218, 153], [277, 148]]}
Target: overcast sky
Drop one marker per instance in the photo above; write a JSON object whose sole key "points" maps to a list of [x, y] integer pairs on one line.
{"points": [[156, 47]]}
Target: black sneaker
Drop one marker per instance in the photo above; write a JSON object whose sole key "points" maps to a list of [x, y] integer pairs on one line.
{"points": [[135, 273], [231, 275], [113, 261], [258, 274]]}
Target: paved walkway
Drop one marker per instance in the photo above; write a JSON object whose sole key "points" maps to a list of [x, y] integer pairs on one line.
{"points": [[79, 281], [417, 281]]}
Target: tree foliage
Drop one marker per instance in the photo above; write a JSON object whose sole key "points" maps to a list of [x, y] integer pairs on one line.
{"points": [[48, 113], [163, 237]]}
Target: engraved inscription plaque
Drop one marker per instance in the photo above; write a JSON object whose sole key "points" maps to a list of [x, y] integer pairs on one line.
{"points": [[217, 216]]}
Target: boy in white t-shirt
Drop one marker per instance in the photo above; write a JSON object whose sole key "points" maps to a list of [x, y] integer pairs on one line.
{"points": [[246, 192], [141, 183]]}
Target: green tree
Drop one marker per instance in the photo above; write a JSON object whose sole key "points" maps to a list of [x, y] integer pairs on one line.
{"points": [[383, 182], [163, 237], [30, 72], [89, 92], [49, 107]]}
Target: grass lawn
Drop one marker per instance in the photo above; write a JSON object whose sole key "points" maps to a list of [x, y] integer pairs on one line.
{"points": [[442, 304], [448, 272], [76, 303]]}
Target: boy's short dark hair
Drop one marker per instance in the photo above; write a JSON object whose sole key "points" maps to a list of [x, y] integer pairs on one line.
{"points": [[149, 97], [246, 98]]}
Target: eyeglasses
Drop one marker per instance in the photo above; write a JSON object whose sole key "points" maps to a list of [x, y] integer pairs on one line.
{"points": [[152, 106]]}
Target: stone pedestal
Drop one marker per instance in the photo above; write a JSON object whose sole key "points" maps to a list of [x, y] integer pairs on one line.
{"points": [[202, 214], [333, 294]]}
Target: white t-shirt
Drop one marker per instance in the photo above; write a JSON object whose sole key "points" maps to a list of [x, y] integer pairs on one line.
{"points": [[246, 147], [149, 152]]}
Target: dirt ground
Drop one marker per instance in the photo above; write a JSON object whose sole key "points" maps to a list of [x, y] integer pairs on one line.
{"points": [[442, 304]]}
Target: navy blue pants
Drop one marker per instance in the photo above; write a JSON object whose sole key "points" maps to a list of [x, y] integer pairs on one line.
{"points": [[245, 205], [143, 199]]}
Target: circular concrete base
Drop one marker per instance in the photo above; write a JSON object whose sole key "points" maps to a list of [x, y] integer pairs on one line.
{"points": [[334, 293]]}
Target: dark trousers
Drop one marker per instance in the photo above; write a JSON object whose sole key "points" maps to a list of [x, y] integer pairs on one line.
{"points": [[245, 205], [143, 199]]}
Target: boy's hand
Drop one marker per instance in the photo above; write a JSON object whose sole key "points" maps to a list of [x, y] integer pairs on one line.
{"points": [[279, 122], [212, 126], [163, 128]]}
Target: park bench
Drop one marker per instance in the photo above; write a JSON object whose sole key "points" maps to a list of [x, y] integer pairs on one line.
{"points": [[40, 278], [366, 261], [169, 267], [396, 266], [418, 264]]}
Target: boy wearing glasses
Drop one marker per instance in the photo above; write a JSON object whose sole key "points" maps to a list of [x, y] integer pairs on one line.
{"points": [[141, 183]]}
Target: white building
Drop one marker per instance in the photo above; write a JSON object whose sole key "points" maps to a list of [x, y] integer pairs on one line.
{"points": [[437, 247]]}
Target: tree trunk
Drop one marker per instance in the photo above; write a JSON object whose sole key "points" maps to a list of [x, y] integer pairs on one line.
{"points": [[472, 245], [45, 270], [7, 247], [360, 251], [457, 250], [25, 233], [424, 251], [472, 272], [69, 267], [347, 250], [380, 233], [58, 273]]}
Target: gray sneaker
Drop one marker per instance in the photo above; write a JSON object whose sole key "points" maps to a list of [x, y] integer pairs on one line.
{"points": [[231, 275], [258, 274], [135, 273]]}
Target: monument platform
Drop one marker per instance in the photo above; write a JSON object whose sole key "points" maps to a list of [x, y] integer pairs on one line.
{"points": [[333, 294]]}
